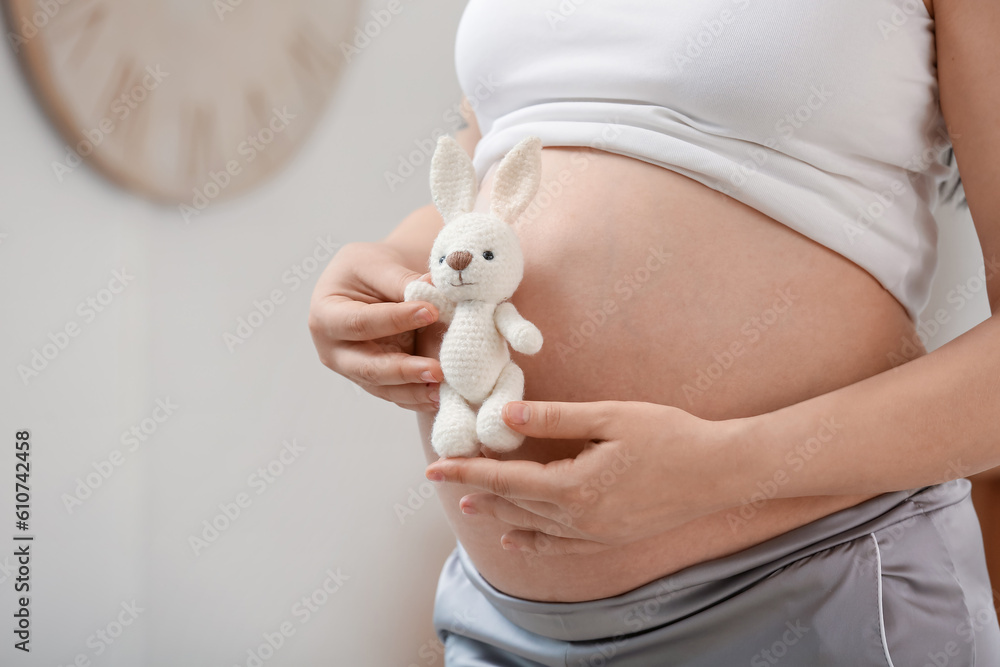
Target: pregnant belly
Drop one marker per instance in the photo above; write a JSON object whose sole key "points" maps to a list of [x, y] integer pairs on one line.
{"points": [[649, 286]]}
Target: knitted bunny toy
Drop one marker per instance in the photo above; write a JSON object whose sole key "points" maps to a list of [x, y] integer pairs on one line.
{"points": [[476, 264]]}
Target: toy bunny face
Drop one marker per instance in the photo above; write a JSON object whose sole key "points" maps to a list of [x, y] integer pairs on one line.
{"points": [[478, 256]]}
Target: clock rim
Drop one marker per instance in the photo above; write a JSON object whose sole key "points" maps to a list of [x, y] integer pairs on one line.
{"points": [[36, 69]]}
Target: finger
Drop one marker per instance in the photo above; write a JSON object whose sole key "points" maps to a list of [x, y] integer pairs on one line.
{"points": [[528, 480], [367, 363], [567, 421], [530, 515], [539, 544], [418, 407], [406, 394], [386, 280], [428, 406], [345, 319]]}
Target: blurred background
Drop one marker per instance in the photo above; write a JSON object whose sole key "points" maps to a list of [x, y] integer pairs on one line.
{"points": [[204, 491]]}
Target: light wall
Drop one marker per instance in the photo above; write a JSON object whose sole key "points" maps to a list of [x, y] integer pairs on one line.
{"points": [[334, 507], [161, 338]]}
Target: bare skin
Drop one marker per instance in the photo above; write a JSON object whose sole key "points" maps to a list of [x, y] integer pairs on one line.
{"points": [[921, 423], [725, 267]]}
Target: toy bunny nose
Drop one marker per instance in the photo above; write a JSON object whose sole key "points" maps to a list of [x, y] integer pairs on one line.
{"points": [[459, 260]]}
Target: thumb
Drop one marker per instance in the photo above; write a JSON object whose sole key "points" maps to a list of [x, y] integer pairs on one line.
{"points": [[390, 280]]}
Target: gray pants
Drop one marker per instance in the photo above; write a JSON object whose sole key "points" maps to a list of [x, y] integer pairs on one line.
{"points": [[897, 581]]}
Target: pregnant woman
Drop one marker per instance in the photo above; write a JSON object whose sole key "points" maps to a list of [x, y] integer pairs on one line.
{"points": [[738, 452]]}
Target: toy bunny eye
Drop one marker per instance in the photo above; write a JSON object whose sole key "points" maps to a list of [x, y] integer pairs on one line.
{"points": [[441, 261], [488, 255]]}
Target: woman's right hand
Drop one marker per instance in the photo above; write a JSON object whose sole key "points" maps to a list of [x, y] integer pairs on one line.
{"points": [[364, 331]]}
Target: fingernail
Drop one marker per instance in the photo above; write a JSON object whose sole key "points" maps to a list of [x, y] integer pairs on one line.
{"points": [[508, 545], [435, 476], [427, 376], [434, 395], [468, 509], [423, 316], [519, 413]]}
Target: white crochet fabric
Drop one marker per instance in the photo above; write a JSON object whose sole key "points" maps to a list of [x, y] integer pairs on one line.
{"points": [[476, 265]]}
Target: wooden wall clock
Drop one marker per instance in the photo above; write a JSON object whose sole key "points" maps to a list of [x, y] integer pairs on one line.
{"points": [[184, 101]]}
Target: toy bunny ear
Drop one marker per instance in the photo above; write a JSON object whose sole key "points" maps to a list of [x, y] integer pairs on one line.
{"points": [[453, 179], [517, 180]]}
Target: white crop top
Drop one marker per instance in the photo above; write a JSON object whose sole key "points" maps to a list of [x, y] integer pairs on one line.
{"points": [[822, 115]]}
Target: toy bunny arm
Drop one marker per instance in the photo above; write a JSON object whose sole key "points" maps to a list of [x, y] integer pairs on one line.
{"points": [[522, 335], [418, 290]]}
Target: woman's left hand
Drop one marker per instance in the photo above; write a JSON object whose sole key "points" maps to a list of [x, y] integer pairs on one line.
{"points": [[647, 469]]}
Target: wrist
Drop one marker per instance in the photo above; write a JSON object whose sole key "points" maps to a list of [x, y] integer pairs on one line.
{"points": [[753, 463]]}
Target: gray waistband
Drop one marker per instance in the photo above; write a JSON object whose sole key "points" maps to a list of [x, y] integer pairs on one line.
{"points": [[700, 586]]}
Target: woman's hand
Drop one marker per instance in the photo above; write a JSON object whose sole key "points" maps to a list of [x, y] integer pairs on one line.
{"points": [[362, 331], [648, 468]]}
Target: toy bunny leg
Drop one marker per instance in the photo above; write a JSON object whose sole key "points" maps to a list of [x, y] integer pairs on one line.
{"points": [[489, 423], [454, 430]]}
